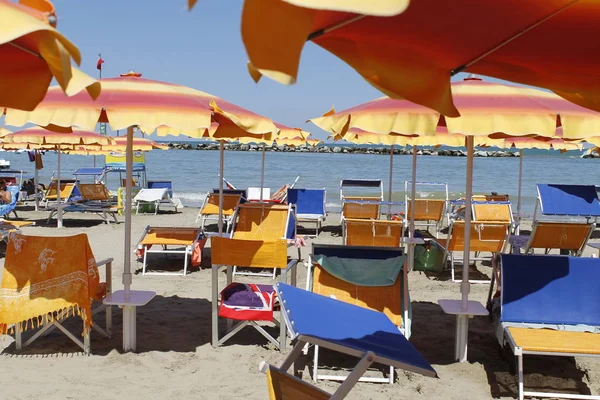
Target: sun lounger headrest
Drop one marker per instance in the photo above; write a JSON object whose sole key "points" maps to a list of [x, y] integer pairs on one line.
{"points": [[550, 289], [573, 200]]}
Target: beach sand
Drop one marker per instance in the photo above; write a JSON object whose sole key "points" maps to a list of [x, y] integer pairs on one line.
{"points": [[176, 361]]}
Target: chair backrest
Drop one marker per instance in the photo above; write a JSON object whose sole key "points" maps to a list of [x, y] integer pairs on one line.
{"points": [[254, 193], [263, 221], [493, 212], [66, 189], [490, 197], [559, 235], [360, 232], [386, 299], [241, 192], [248, 252], [571, 200], [485, 236], [211, 205], [361, 187], [124, 182], [283, 386], [358, 210], [93, 191], [550, 289], [162, 185], [427, 209], [307, 201]]}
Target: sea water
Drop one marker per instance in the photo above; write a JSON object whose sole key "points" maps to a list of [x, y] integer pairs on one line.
{"points": [[195, 173]]}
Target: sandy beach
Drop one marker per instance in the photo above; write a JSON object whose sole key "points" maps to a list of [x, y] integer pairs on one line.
{"points": [[176, 361]]}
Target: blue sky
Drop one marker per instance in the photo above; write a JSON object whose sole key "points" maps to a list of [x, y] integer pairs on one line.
{"points": [[203, 49]]}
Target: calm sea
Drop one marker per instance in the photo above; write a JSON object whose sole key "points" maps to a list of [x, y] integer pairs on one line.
{"points": [[194, 173]]}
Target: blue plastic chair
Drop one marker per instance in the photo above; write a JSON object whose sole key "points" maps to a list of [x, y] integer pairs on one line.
{"points": [[310, 205]]}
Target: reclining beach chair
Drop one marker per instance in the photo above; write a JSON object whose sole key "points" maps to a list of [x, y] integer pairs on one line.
{"points": [[310, 205], [153, 197], [263, 221], [47, 280], [6, 209], [428, 212], [241, 192], [281, 195], [248, 303], [369, 277], [91, 198], [170, 240], [345, 328], [571, 201], [168, 200], [374, 232], [550, 305], [67, 189], [210, 209], [493, 211], [361, 198], [487, 237]]}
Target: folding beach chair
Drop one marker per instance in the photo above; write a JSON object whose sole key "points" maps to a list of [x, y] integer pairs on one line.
{"points": [[360, 198], [382, 233], [249, 303], [310, 205], [281, 195], [579, 203], [47, 280], [210, 208], [370, 277], [428, 212], [263, 221], [90, 198], [366, 334], [242, 192], [154, 197], [168, 200], [170, 240], [550, 305], [6, 209], [487, 237], [67, 190]]}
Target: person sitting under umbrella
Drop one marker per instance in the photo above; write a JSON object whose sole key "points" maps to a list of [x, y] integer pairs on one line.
{"points": [[5, 197]]}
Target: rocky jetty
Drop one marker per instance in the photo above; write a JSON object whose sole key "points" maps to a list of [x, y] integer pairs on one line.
{"points": [[342, 149]]}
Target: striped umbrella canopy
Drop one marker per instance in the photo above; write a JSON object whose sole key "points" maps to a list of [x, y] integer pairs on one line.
{"points": [[120, 146], [130, 100], [33, 53], [411, 50], [37, 138], [487, 109]]}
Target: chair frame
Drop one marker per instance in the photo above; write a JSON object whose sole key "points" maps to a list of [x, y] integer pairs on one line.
{"points": [[186, 251], [445, 211], [85, 344], [454, 260], [170, 192], [317, 342]]}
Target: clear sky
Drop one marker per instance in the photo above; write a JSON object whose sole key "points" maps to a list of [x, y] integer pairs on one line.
{"points": [[203, 49]]}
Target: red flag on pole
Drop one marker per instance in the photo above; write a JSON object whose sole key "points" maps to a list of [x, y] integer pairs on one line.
{"points": [[99, 64]]}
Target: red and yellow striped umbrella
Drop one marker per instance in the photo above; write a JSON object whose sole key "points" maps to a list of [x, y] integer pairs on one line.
{"points": [[33, 52], [411, 52], [487, 109], [44, 138], [131, 100]]}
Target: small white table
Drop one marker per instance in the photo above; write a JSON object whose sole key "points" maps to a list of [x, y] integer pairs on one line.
{"points": [[462, 322], [137, 298]]}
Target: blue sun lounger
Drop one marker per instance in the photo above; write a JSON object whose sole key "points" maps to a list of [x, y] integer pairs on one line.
{"points": [[550, 305], [571, 201], [349, 329], [310, 205]]}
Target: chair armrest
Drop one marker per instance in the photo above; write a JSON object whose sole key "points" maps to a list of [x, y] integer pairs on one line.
{"points": [[107, 262]]}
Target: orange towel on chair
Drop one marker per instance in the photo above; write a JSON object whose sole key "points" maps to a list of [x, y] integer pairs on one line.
{"points": [[47, 277]]}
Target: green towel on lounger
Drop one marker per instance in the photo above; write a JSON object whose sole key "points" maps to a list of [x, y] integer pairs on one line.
{"points": [[363, 272]]}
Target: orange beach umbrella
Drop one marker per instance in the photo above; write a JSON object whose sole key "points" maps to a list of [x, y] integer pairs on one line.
{"points": [[412, 50], [33, 52]]}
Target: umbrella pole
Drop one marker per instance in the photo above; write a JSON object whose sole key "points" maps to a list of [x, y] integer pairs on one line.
{"points": [[128, 178], [465, 286], [35, 182], [59, 219], [262, 173], [518, 228], [411, 226], [391, 176], [215, 268]]}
